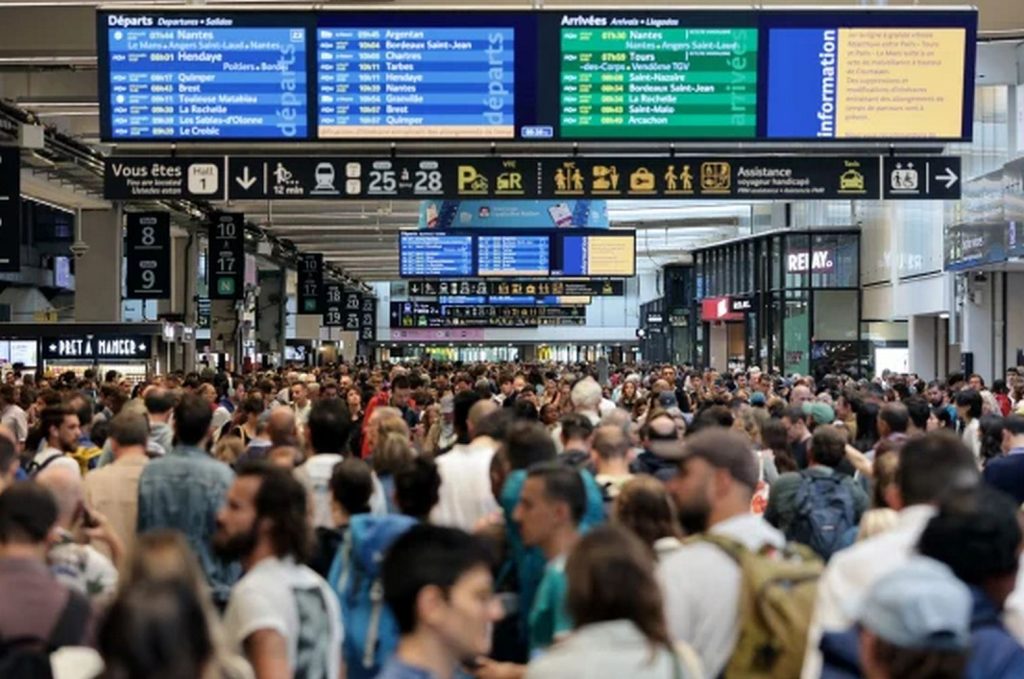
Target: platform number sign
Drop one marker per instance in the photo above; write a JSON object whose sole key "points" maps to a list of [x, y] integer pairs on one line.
{"points": [[353, 309], [148, 253], [334, 306], [225, 260], [368, 320], [311, 282]]}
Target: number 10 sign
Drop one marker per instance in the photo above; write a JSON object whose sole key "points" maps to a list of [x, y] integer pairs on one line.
{"points": [[148, 250]]}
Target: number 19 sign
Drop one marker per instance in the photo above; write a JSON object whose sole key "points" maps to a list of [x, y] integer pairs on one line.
{"points": [[225, 260], [148, 245]]}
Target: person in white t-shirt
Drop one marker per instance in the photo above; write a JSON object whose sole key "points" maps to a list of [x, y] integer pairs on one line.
{"points": [[466, 496], [281, 616], [61, 431]]}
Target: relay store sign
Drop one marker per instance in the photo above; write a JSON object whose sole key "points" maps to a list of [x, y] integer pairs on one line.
{"points": [[98, 348], [816, 261]]}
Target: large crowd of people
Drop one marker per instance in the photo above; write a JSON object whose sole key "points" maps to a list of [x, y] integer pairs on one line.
{"points": [[498, 521]]}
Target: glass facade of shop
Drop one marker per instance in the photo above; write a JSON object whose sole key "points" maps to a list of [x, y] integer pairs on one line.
{"points": [[804, 302]]}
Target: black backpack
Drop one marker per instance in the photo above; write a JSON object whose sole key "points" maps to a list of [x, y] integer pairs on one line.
{"points": [[32, 468], [825, 514], [29, 657]]}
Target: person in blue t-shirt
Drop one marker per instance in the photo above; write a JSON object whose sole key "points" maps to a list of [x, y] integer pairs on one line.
{"points": [[437, 582]]}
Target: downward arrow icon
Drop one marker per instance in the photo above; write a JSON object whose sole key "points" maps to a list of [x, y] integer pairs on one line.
{"points": [[246, 180]]}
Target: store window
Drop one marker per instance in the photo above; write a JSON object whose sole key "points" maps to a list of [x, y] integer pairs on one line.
{"points": [[835, 315], [796, 333], [834, 261], [800, 261]]}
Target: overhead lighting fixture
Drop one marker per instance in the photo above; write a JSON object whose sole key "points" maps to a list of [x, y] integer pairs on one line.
{"points": [[944, 315]]}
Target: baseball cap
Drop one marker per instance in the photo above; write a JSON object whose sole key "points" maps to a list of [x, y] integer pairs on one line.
{"points": [[757, 398], [821, 413], [922, 606], [667, 399], [723, 449]]}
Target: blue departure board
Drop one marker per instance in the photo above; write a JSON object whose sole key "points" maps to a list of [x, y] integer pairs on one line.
{"points": [[186, 77], [513, 255], [378, 82], [428, 254]]}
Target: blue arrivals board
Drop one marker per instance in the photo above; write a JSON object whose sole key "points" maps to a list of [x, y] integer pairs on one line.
{"points": [[513, 255], [373, 82], [203, 77]]}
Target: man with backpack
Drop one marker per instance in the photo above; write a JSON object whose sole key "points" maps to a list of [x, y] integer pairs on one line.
{"points": [[930, 467], [60, 431], [818, 506], [737, 593], [281, 614], [37, 613]]}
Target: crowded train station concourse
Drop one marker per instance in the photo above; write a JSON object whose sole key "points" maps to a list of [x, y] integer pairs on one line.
{"points": [[452, 340]]}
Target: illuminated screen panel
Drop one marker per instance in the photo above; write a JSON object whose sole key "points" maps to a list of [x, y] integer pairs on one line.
{"points": [[663, 83], [866, 82], [203, 76], [381, 82], [433, 255], [513, 255], [611, 255]]}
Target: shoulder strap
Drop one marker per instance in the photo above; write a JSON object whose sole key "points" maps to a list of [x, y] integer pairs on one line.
{"points": [[734, 549], [71, 623], [36, 468]]}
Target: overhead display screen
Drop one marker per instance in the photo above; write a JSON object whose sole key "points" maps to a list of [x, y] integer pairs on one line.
{"points": [[590, 254], [680, 82], [378, 82], [433, 254], [535, 75], [513, 255], [848, 80], [192, 76], [613, 254]]}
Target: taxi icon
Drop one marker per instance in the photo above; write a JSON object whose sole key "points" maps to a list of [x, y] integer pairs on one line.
{"points": [[851, 180]]}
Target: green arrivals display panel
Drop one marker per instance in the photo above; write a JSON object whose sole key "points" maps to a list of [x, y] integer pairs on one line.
{"points": [[661, 83]]}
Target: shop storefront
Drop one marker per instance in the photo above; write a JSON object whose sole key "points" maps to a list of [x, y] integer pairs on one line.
{"points": [[134, 350], [786, 301]]}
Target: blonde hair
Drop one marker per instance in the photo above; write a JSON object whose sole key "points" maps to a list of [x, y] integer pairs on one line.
{"points": [[876, 521], [228, 449], [392, 453]]}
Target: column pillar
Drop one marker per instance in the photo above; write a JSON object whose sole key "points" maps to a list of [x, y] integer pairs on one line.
{"points": [[98, 271], [922, 341], [270, 318], [224, 331]]}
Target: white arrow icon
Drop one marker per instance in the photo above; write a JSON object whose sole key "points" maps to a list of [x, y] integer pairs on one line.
{"points": [[246, 180], [949, 177]]}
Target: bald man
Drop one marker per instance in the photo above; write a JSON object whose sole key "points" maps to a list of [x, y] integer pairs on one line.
{"points": [[465, 496], [80, 567]]}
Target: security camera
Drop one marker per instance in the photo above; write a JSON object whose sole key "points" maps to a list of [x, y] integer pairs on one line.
{"points": [[980, 277], [79, 248]]}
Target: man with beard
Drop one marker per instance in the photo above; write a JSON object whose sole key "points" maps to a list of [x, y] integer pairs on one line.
{"points": [[712, 490], [282, 616], [60, 430]]}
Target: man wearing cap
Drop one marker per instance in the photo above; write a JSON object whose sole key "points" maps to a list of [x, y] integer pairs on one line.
{"points": [[715, 481], [930, 467], [914, 618]]}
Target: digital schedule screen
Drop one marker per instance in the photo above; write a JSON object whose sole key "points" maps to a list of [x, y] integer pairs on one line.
{"points": [[211, 76], [432, 254], [513, 255], [676, 82], [865, 76], [537, 75], [378, 82], [613, 254]]}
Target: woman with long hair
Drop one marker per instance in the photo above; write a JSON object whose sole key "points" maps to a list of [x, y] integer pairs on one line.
{"points": [[644, 506], [773, 438], [867, 427], [629, 396], [617, 608], [162, 624]]}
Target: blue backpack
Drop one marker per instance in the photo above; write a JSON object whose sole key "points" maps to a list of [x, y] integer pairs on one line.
{"points": [[826, 518], [371, 633]]}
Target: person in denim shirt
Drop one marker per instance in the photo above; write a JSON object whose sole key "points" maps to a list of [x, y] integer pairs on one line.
{"points": [[185, 489]]}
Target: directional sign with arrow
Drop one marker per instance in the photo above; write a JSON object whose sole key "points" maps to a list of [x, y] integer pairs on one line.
{"points": [[921, 177], [248, 178]]}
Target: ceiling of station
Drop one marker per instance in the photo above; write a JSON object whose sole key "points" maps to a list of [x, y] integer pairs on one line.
{"points": [[48, 68]]}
